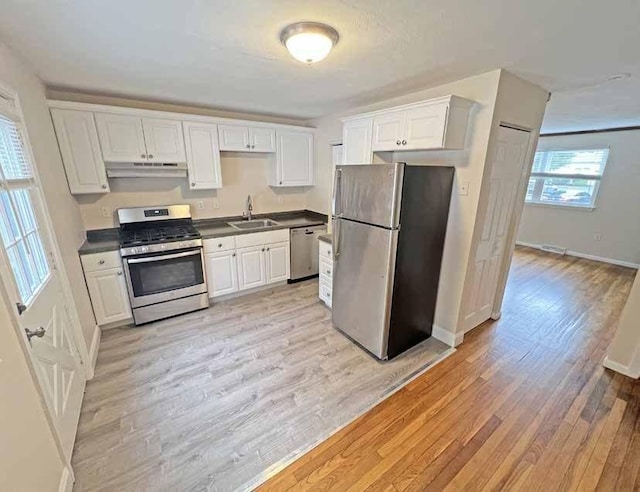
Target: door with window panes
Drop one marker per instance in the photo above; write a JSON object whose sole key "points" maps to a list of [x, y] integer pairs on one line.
{"points": [[32, 282]]}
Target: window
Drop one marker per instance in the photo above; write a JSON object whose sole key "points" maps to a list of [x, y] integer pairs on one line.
{"points": [[18, 225], [566, 177]]}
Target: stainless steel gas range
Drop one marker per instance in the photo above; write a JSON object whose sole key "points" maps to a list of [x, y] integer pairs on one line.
{"points": [[163, 262]]}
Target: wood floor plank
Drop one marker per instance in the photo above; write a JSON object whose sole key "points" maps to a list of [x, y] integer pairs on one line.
{"points": [[524, 404]]}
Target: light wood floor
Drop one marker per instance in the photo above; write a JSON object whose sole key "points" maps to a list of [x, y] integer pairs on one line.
{"points": [[524, 404], [213, 400]]}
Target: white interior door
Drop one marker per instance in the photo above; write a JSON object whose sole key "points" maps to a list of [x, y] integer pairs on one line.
{"points": [[507, 166], [34, 285]]}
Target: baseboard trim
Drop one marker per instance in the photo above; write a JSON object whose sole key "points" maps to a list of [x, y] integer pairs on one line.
{"points": [[451, 339], [93, 351], [577, 254], [66, 481], [622, 369]]}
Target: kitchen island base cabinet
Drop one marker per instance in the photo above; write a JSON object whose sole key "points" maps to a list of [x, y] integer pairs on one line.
{"points": [[107, 287]]}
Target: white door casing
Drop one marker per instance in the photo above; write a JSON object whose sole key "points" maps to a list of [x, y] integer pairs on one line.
{"points": [[507, 167]]}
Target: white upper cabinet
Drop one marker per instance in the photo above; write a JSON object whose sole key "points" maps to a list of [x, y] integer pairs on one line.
{"points": [[294, 159], [126, 138], [164, 140], [241, 138], [203, 155], [356, 141], [388, 131], [234, 138], [435, 124], [262, 139], [80, 149], [121, 137]]}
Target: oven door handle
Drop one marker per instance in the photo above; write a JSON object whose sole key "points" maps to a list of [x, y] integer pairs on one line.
{"points": [[164, 257]]}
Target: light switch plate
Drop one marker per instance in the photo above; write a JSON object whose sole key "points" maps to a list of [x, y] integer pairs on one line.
{"points": [[463, 188], [216, 203], [200, 204], [105, 212]]}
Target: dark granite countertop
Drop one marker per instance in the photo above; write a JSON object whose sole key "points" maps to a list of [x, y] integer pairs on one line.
{"points": [[101, 240], [327, 238]]}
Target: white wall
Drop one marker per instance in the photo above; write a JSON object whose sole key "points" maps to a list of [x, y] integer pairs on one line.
{"points": [[469, 163], [624, 352], [64, 211], [617, 213], [242, 174], [29, 458]]}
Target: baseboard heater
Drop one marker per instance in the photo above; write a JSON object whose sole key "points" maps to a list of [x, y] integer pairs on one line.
{"points": [[550, 248]]}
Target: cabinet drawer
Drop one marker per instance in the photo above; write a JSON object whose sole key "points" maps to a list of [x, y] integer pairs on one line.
{"points": [[326, 251], [325, 292], [259, 238], [216, 244], [101, 261], [326, 268]]}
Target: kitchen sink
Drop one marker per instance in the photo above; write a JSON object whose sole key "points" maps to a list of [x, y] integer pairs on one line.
{"points": [[245, 225]]}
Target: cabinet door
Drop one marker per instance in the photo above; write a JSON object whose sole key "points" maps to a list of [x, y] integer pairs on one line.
{"points": [[277, 261], [164, 139], [387, 131], [424, 127], [80, 149], [262, 139], [203, 155], [233, 137], [121, 137], [294, 162], [356, 141], [251, 271], [222, 273], [108, 293]]}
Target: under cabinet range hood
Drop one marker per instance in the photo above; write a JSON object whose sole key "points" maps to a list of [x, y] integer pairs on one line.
{"points": [[146, 169]]}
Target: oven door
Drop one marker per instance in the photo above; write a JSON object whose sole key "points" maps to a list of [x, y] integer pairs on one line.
{"points": [[165, 276]]}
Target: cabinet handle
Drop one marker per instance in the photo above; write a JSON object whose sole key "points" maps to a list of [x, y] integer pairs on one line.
{"points": [[280, 182], [101, 262], [268, 249], [233, 254], [220, 245], [397, 142], [143, 156], [104, 187], [404, 142], [150, 156], [262, 249], [328, 294], [328, 272], [248, 146], [192, 183], [120, 273], [253, 146]]}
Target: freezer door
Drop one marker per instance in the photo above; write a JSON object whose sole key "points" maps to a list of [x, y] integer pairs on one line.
{"points": [[363, 271], [370, 193]]}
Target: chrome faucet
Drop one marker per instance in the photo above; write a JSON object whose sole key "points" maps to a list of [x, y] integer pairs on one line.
{"points": [[249, 207]]}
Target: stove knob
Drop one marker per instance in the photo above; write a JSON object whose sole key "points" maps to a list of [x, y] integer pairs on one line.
{"points": [[134, 251], [144, 249]]}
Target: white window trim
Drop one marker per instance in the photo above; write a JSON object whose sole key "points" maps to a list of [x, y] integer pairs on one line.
{"points": [[569, 206]]}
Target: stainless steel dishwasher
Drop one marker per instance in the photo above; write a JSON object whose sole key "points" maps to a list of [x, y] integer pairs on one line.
{"points": [[304, 251]]}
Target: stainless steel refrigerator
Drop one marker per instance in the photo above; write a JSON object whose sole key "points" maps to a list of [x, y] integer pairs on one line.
{"points": [[389, 225]]}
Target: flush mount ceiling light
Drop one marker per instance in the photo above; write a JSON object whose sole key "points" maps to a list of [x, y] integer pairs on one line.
{"points": [[309, 42]]}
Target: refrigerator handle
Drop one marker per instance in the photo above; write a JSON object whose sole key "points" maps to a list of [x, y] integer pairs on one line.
{"points": [[336, 239], [335, 210]]}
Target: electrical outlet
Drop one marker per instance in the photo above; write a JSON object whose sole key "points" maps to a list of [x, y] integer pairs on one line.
{"points": [[200, 204], [463, 188], [280, 200], [597, 236], [216, 203], [105, 212]]}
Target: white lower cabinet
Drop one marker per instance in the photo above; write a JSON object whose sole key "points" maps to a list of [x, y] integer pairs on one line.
{"points": [[251, 268], [325, 263], [222, 273], [107, 287], [247, 261]]}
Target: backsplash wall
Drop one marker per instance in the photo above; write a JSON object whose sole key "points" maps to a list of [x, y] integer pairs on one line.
{"points": [[242, 174]]}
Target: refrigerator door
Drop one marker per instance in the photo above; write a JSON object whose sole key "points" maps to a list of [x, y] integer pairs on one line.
{"points": [[363, 274], [370, 193]]}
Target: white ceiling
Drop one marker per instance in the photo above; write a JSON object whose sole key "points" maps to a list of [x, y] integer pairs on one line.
{"points": [[226, 54]]}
